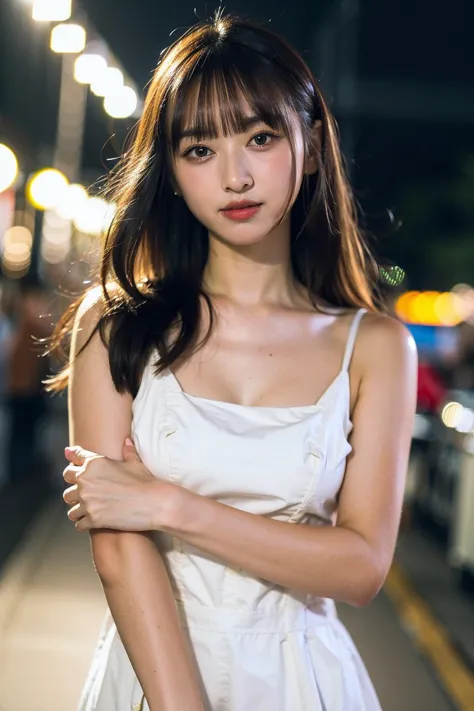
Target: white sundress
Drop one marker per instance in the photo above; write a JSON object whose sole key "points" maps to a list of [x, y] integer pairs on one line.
{"points": [[258, 646]]}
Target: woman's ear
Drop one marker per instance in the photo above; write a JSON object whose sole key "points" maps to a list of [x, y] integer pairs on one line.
{"points": [[314, 149]]}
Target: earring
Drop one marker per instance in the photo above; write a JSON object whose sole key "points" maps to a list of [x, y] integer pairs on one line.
{"points": [[177, 194]]}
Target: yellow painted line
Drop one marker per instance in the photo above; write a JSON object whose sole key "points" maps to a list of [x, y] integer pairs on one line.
{"points": [[431, 638]]}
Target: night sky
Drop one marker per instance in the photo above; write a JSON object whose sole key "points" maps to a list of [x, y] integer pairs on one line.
{"points": [[424, 40], [425, 43]]}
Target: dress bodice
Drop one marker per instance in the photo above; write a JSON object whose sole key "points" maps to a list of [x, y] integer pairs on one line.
{"points": [[286, 463]]}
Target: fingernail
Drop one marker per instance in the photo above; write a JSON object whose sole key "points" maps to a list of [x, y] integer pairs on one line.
{"points": [[129, 442]]}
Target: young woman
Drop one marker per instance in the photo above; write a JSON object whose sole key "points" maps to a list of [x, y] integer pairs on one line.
{"points": [[236, 338]]}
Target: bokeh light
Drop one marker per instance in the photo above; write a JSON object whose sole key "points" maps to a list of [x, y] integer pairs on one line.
{"points": [[457, 417], [121, 104], [74, 199], [16, 257], [393, 275], [87, 66], [51, 10], [56, 242], [432, 308], [8, 167], [108, 81], [47, 188], [448, 308], [68, 39], [451, 414], [95, 216]]}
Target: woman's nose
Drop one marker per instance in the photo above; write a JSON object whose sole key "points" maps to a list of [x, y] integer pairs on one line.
{"points": [[236, 175]]}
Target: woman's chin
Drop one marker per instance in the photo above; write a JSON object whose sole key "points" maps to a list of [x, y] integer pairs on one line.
{"points": [[242, 234], [244, 239]]}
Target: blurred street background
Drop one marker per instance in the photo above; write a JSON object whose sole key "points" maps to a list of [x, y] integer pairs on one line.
{"points": [[399, 78]]}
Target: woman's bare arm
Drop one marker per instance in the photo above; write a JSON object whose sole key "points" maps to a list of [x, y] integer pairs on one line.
{"points": [[131, 570]]}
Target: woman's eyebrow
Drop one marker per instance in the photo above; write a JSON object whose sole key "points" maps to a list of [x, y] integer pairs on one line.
{"points": [[200, 134]]}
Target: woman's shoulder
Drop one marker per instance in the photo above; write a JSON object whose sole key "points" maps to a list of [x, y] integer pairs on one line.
{"points": [[382, 328], [97, 303], [96, 299], [383, 340], [91, 312]]}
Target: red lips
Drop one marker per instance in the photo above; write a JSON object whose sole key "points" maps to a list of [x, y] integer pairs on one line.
{"points": [[241, 211], [241, 205]]}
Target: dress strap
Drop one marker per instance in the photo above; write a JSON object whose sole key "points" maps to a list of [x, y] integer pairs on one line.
{"points": [[352, 338]]}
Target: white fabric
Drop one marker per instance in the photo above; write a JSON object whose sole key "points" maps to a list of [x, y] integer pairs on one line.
{"points": [[259, 647]]}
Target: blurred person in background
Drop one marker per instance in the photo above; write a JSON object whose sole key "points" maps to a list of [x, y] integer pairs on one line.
{"points": [[25, 368], [431, 387], [235, 259]]}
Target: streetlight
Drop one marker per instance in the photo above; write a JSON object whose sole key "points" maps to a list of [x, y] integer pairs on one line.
{"points": [[8, 167], [68, 39], [51, 10], [87, 66], [121, 104], [108, 81]]}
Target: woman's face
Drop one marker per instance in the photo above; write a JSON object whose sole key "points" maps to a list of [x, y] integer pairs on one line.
{"points": [[253, 167]]}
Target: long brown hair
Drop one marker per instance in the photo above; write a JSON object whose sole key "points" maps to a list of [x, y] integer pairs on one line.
{"points": [[155, 252]]}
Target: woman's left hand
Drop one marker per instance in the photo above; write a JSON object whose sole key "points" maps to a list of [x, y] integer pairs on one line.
{"points": [[107, 493]]}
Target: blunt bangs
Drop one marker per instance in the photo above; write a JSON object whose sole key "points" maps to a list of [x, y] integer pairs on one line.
{"points": [[223, 89]]}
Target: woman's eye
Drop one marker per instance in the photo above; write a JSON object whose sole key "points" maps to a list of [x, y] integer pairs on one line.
{"points": [[198, 152], [262, 139]]}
